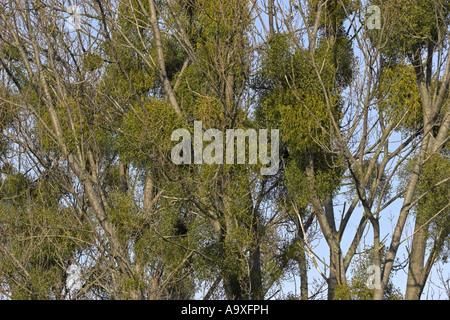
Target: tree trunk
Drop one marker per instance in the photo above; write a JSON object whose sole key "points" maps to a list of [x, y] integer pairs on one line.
{"points": [[256, 289], [301, 257], [416, 261], [232, 287], [271, 28], [123, 176], [332, 279], [337, 272], [327, 225], [303, 271]]}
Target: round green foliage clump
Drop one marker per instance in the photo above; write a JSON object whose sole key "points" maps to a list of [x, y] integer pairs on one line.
{"points": [[409, 25], [399, 97], [146, 133]]}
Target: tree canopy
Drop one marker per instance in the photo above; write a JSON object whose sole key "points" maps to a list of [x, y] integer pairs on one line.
{"points": [[92, 205]]}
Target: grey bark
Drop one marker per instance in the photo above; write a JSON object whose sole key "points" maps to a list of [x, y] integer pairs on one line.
{"points": [[416, 261]]}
